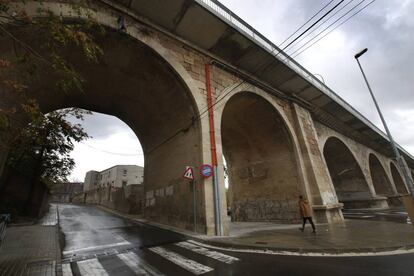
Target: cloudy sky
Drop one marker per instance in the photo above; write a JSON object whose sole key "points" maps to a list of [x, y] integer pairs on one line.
{"points": [[385, 27]]}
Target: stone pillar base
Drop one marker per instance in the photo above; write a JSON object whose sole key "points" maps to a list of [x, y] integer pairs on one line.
{"points": [[329, 213], [366, 203], [395, 200], [409, 206]]}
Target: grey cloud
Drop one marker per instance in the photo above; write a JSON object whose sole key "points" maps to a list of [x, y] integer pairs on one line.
{"points": [[100, 126]]}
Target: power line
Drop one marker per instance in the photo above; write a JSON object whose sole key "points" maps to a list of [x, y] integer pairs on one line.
{"points": [[330, 25], [291, 57], [304, 24], [311, 26], [112, 152], [354, 14], [326, 20]]}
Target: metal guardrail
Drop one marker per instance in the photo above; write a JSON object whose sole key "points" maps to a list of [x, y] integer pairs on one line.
{"points": [[239, 24]]}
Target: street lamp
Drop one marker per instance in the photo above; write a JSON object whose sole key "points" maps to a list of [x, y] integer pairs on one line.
{"points": [[400, 160]]}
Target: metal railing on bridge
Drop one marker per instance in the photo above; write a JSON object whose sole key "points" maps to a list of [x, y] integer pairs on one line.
{"points": [[239, 24]]}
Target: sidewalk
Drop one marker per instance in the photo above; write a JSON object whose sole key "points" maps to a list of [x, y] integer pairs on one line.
{"points": [[31, 249], [349, 237]]}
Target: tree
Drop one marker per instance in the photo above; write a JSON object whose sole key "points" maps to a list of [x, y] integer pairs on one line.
{"points": [[43, 147], [26, 134]]}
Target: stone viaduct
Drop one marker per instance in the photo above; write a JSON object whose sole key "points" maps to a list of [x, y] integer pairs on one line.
{"points": [[282, 132]]}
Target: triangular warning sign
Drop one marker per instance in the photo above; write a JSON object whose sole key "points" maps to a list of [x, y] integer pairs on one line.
{"points": [[189, 174]]}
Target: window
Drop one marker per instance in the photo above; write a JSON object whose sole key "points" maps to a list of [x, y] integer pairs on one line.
{"points": [[124, 183], [125, 172]]}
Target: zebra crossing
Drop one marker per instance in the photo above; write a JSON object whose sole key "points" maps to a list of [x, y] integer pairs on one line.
{"points": [[133, 262]]}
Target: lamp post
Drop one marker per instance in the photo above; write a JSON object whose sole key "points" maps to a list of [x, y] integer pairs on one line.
{"points": [[400, 159], [323, 80]]}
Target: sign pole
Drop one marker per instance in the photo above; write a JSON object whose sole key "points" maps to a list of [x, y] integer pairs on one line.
{"points": [[195, 205], [189, 174]]}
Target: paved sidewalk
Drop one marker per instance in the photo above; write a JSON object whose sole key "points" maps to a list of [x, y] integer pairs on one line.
{"points": [[33, 249], [351, 236]]}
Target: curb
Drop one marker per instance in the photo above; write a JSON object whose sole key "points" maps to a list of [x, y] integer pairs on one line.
{"points": [[316, 251], [270, 249]]}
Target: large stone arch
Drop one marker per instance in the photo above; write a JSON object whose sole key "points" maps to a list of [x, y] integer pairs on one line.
{"points": [[141, 82], [398, 179], [349, 181], [262, 159], [380, 179]]}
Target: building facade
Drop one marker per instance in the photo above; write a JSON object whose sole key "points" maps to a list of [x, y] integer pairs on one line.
{"points": [[116, 176]]}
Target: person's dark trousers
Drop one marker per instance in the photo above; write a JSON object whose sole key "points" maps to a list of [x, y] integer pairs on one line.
{"points": [[310, 221]]}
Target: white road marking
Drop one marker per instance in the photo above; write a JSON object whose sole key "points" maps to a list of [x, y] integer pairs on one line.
{"points": [[66, 270], [209, 253], [187, 264], [138, 265], [91, 267], [95, 247]]}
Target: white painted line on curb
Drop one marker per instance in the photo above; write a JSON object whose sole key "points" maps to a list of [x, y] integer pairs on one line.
{"points": [[66, 270], [91, 267], [209, 253], [95, 247], [310, 254], [138, 265], [187, 264]]}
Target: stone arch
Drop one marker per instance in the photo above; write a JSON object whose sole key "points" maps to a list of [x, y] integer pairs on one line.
{"points": [[140, 82], [398, 179], [380, 180], [347, 177], [261, 157]]}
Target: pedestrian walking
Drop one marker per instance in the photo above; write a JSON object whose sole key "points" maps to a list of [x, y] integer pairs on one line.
{"points": [[306, 213]]}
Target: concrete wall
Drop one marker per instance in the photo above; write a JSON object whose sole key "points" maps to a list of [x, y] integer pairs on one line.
{"points": [[63, 192], [19, 196], [129, 199]]}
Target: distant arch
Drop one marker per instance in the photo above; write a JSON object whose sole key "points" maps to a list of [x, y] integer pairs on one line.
{"points": [[398, 180], [380, 180]]}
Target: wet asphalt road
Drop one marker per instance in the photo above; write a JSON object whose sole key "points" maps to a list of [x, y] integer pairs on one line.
{"points": [[99, 243]]}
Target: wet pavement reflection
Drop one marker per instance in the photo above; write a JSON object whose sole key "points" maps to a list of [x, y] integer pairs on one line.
{"points": [[100, 243]]}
